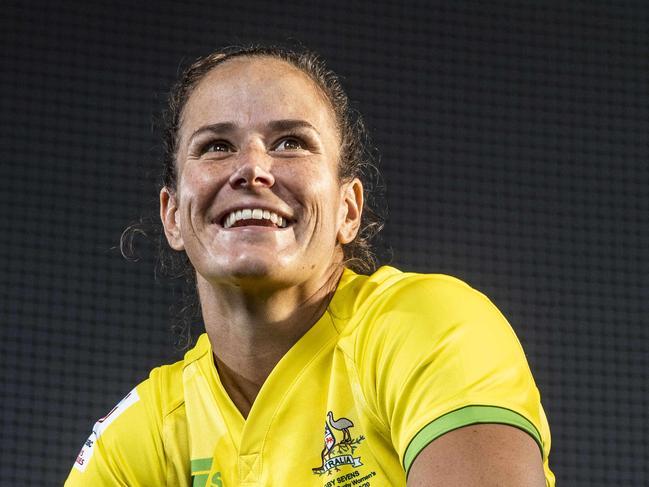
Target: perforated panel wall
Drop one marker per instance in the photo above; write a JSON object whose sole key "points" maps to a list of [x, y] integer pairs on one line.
{"points": [[514, 147]]}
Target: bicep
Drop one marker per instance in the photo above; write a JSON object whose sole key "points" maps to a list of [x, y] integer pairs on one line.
{"points": [[479, 455]]}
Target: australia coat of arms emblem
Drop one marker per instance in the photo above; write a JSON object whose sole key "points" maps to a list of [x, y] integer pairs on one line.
{"points": [[339, 446]]}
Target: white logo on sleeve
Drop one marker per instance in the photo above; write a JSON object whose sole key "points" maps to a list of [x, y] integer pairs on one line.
{"points": [[100, 426]]}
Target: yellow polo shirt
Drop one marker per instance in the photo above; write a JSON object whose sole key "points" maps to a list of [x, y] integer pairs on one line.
{"points": [[396, 361]]}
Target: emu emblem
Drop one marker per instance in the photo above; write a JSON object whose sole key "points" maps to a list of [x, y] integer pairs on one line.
{"points": [[338, 447]]}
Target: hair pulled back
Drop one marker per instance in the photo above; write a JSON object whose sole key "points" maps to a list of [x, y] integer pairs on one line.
{"points": [[356, 161]]}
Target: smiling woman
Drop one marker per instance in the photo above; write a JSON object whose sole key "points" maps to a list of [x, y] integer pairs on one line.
{"points": [[354, 160], [417, 379]]}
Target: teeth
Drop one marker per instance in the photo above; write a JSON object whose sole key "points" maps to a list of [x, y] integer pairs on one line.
{"points": [[256, 214]]}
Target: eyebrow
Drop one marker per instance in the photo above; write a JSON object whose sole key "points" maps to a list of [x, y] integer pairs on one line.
{"points": [[280, 125], [275, 125]]}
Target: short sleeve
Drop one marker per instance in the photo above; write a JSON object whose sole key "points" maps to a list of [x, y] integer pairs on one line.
{"points": [[436, 355], [125, 447]]}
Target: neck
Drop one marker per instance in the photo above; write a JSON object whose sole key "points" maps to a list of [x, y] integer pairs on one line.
{"points": [[250, 331]]}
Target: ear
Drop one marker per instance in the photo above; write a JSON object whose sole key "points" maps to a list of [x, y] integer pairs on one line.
{"points": [[169, 217], [351, 210]]}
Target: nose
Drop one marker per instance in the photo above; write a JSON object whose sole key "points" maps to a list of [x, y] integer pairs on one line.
{"points": [[254, 172]]}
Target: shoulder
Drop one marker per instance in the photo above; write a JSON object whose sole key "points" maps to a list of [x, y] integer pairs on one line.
{"points": [[151, 401], [390, 286], [163, 389], [394, 304], [433, 354], [142, 410], [430, 325], [136, 427]]}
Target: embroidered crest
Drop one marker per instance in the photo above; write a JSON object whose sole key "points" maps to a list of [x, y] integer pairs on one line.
{"points": [[339, 447]]}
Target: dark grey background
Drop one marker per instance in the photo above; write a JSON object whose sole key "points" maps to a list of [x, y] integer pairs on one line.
{"points": [[514, 145]]}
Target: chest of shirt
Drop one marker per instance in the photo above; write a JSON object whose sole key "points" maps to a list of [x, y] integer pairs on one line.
{"points": [[309, 426]]}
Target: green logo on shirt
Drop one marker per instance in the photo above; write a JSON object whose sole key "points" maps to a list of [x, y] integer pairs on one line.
{"points": [[201, 472]]}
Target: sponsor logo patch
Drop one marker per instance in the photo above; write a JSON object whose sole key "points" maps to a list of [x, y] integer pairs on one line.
{"points": [[100, 426]]}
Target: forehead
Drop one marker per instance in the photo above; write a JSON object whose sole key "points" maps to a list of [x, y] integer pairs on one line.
{"points": [[255, 90]]}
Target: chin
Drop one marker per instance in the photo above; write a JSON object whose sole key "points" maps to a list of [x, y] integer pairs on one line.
{"points": [[251, 272], [256, 270]]}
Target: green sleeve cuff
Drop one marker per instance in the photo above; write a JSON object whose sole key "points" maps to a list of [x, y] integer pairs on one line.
{"points": [[464, 417]]}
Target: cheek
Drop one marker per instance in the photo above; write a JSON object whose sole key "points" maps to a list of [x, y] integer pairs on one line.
{"points": [[195, 179], [197, 189], [327, 199], [320, 190]]}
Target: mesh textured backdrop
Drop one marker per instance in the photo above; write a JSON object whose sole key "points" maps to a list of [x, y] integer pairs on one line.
{"points": [[514, 147]]}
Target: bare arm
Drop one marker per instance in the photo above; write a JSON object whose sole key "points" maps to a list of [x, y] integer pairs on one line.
{"points": [[481, 455]]}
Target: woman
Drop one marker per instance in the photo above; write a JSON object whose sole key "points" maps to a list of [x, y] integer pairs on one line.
{"points": [[416, 379]]}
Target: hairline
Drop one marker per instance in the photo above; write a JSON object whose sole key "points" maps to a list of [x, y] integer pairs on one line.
{"points": [[251, 56]]}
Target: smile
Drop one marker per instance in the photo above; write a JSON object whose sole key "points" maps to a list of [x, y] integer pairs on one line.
{"points": [[253, 216]]}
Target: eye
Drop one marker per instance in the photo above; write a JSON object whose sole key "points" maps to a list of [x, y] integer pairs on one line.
{"points": [[289, 144], [217, 146]]}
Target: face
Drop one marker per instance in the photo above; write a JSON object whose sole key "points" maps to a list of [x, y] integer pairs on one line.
{"points": [[258, 197]]}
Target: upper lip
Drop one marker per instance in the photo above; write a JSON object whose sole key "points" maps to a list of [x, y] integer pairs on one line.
{"points": [[252, 205]]}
